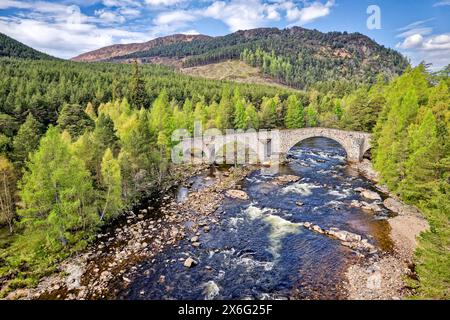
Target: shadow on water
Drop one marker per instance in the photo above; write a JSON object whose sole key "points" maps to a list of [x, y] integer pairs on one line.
{"points": [[259, 250]]}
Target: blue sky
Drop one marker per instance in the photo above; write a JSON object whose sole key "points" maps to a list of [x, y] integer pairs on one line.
{"points": [[420, 29]]}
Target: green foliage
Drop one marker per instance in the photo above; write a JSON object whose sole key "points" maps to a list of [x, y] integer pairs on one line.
{"points": [[112, 185], [26, 140], [137, 88], [57, 196], [412, 154], [294, 118], [269, 116], [251, 117], [7, 193], [74, 120]]}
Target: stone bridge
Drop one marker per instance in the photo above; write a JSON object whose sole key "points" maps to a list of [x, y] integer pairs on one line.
{"points": [[267, 145]]}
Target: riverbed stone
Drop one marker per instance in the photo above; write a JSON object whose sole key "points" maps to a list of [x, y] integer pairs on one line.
{"points": [[282, 180], [237, 194], [189, 263], [371, 195]]}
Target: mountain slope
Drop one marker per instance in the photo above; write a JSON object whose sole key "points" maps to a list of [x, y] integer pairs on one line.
{"points": [[124, 49], [15, 49], [296, 57]]}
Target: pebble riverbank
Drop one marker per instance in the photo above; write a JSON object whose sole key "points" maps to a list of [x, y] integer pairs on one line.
{"points": [[382, 277]]}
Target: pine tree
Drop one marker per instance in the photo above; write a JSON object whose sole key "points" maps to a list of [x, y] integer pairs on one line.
{"points": [[7, 192], [294, 113], [26, 140], [73, 119], [251, 117], [90, 111], [200, 114], [225, 117], [57, 194], [138, 97], [188, 111], [239, 115], [112, 186], [421, 174], [268, 117], [311, 116]]}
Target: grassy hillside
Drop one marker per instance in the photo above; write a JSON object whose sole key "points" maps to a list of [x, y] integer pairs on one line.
{"points": [[231, 70]]}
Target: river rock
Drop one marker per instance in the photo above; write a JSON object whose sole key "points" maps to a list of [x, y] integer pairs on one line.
{"points": [[189, 263], [282, 180], [400, 208], [73, 279], [194, 239], [299, 204], [344, 235], [370, 195], [237, 194]]}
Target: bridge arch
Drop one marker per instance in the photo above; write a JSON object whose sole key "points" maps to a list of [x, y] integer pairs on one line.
{"points": [[354, 143]]}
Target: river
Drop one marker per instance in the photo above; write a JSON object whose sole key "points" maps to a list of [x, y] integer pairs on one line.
{"points": [[258, 250]]}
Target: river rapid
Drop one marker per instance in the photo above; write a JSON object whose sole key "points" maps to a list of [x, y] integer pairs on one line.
{"points": [[259, 249]]}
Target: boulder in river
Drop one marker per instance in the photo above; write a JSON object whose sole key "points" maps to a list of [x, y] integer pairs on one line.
{"points": [[282, 180], [370, 195], [237, 194], [189, 263]]}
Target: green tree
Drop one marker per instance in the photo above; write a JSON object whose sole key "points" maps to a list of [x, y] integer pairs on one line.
{"points": [[57, 195], [294, 113], [268, 116], [421, 176], [138, 95], [74, 120], [251, 117], [112, 186], [239, 115], [311, 116], [7, 192], [26, 140]]}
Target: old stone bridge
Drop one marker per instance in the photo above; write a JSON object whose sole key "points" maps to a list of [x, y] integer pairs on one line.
{"points": [[266, 145]]}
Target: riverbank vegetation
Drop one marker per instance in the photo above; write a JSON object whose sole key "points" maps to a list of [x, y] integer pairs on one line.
{"points": [[412, 154], [80, 143]]}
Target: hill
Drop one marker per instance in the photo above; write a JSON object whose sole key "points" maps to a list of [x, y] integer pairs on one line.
{"points": [[15, 49], [124, 49], [296, 57]]}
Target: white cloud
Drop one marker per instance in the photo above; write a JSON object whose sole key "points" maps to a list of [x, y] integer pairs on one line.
{"points": [[442, 3], [420, 44], [121, 3], [163, 2], [309, 13], [109, 17], [412, 41], [174, 17], [6, 4], [237, 14]]}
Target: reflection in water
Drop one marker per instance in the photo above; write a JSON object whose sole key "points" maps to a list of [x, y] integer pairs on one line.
{"points": [[259, 250]]}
